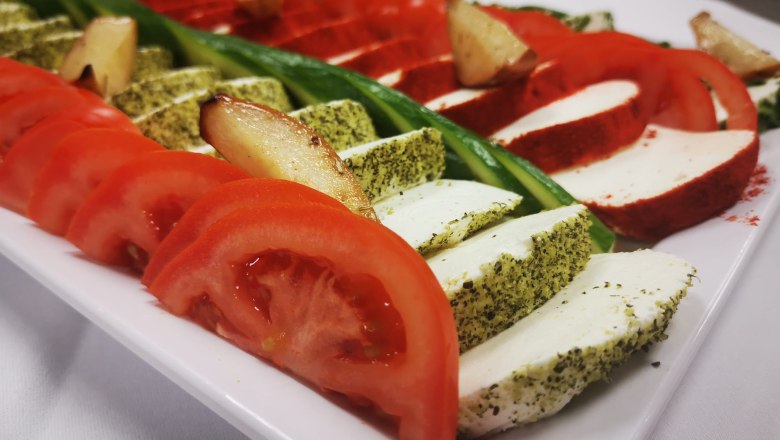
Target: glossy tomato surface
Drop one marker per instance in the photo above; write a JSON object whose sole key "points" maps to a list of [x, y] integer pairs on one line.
{"points": [[333, 297], [129, 213], [221, 201], [76, 166]]}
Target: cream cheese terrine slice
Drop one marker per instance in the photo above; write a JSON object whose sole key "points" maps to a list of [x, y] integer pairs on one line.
{"points": [[620, 303], [442, 213], [15, 36], [388, 166], [151, 61], [264, 90], [175, 125], [11, 13], [144, 96], [344, 123], [48, 52], [501, 274]]}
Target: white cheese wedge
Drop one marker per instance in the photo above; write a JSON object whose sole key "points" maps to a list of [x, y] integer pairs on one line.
{"points": [[591, 100], [343, 123], [175, 124], [262, 89], [661, 160], [617, 305], [14, 36], [443, 212], [388, 166], [454, 98], [144, 96], [502, 273]]}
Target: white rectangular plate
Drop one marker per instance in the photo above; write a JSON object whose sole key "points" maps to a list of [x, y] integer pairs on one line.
{"points": [[265, 403]]}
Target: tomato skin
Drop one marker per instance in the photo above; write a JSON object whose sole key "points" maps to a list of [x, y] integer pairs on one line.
{"points": [[25, 109], [135, 206], [17, 78], [729, 88], [32, 149], [417, 385], [535, 28], [78, 163], [221, 201], [17, 171]]}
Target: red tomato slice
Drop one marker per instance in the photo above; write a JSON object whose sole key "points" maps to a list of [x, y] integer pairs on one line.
{"points": [[32, 149], [728, 87], [77, 164], [221, 201], [126, 217], [337, 299], [20, 166], [17, 78], [533, 27], [23, 110]]}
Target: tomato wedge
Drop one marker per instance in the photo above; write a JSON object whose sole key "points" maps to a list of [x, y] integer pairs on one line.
{"points": [[335, 298], [77, 164], [126, 217], [224, 199], [23, 110], [17, 78], [32, 149], [728, 87]]}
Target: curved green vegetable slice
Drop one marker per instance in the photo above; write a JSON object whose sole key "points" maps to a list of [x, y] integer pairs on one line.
{"points": [[311, 81]]}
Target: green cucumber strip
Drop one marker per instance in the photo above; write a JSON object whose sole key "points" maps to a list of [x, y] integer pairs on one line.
{"points": [[312, 81]]}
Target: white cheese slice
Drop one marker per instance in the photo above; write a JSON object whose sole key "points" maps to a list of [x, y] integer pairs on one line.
{"points": [[454, 98], [388, 166], [618, 304], [589, 101], [660, 160], [502, 273], [443, 212]]}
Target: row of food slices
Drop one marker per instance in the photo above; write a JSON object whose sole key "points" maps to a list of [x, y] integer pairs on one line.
{"points": [[621, 104], [538, 317]]}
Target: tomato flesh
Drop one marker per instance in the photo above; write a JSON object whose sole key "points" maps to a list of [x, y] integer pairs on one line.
{"points": [[337, 299], [75, 167], [23, 161], [221, 201], [122, 221], [24, 110]]}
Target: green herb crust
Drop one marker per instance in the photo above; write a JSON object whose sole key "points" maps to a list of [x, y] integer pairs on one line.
{"points": [[19, 35], [11, 13], [151, 61], [510, 287], [548, 382], [144, 96], [388, 166], [264, 90], [48, 52], [344, 123]]}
